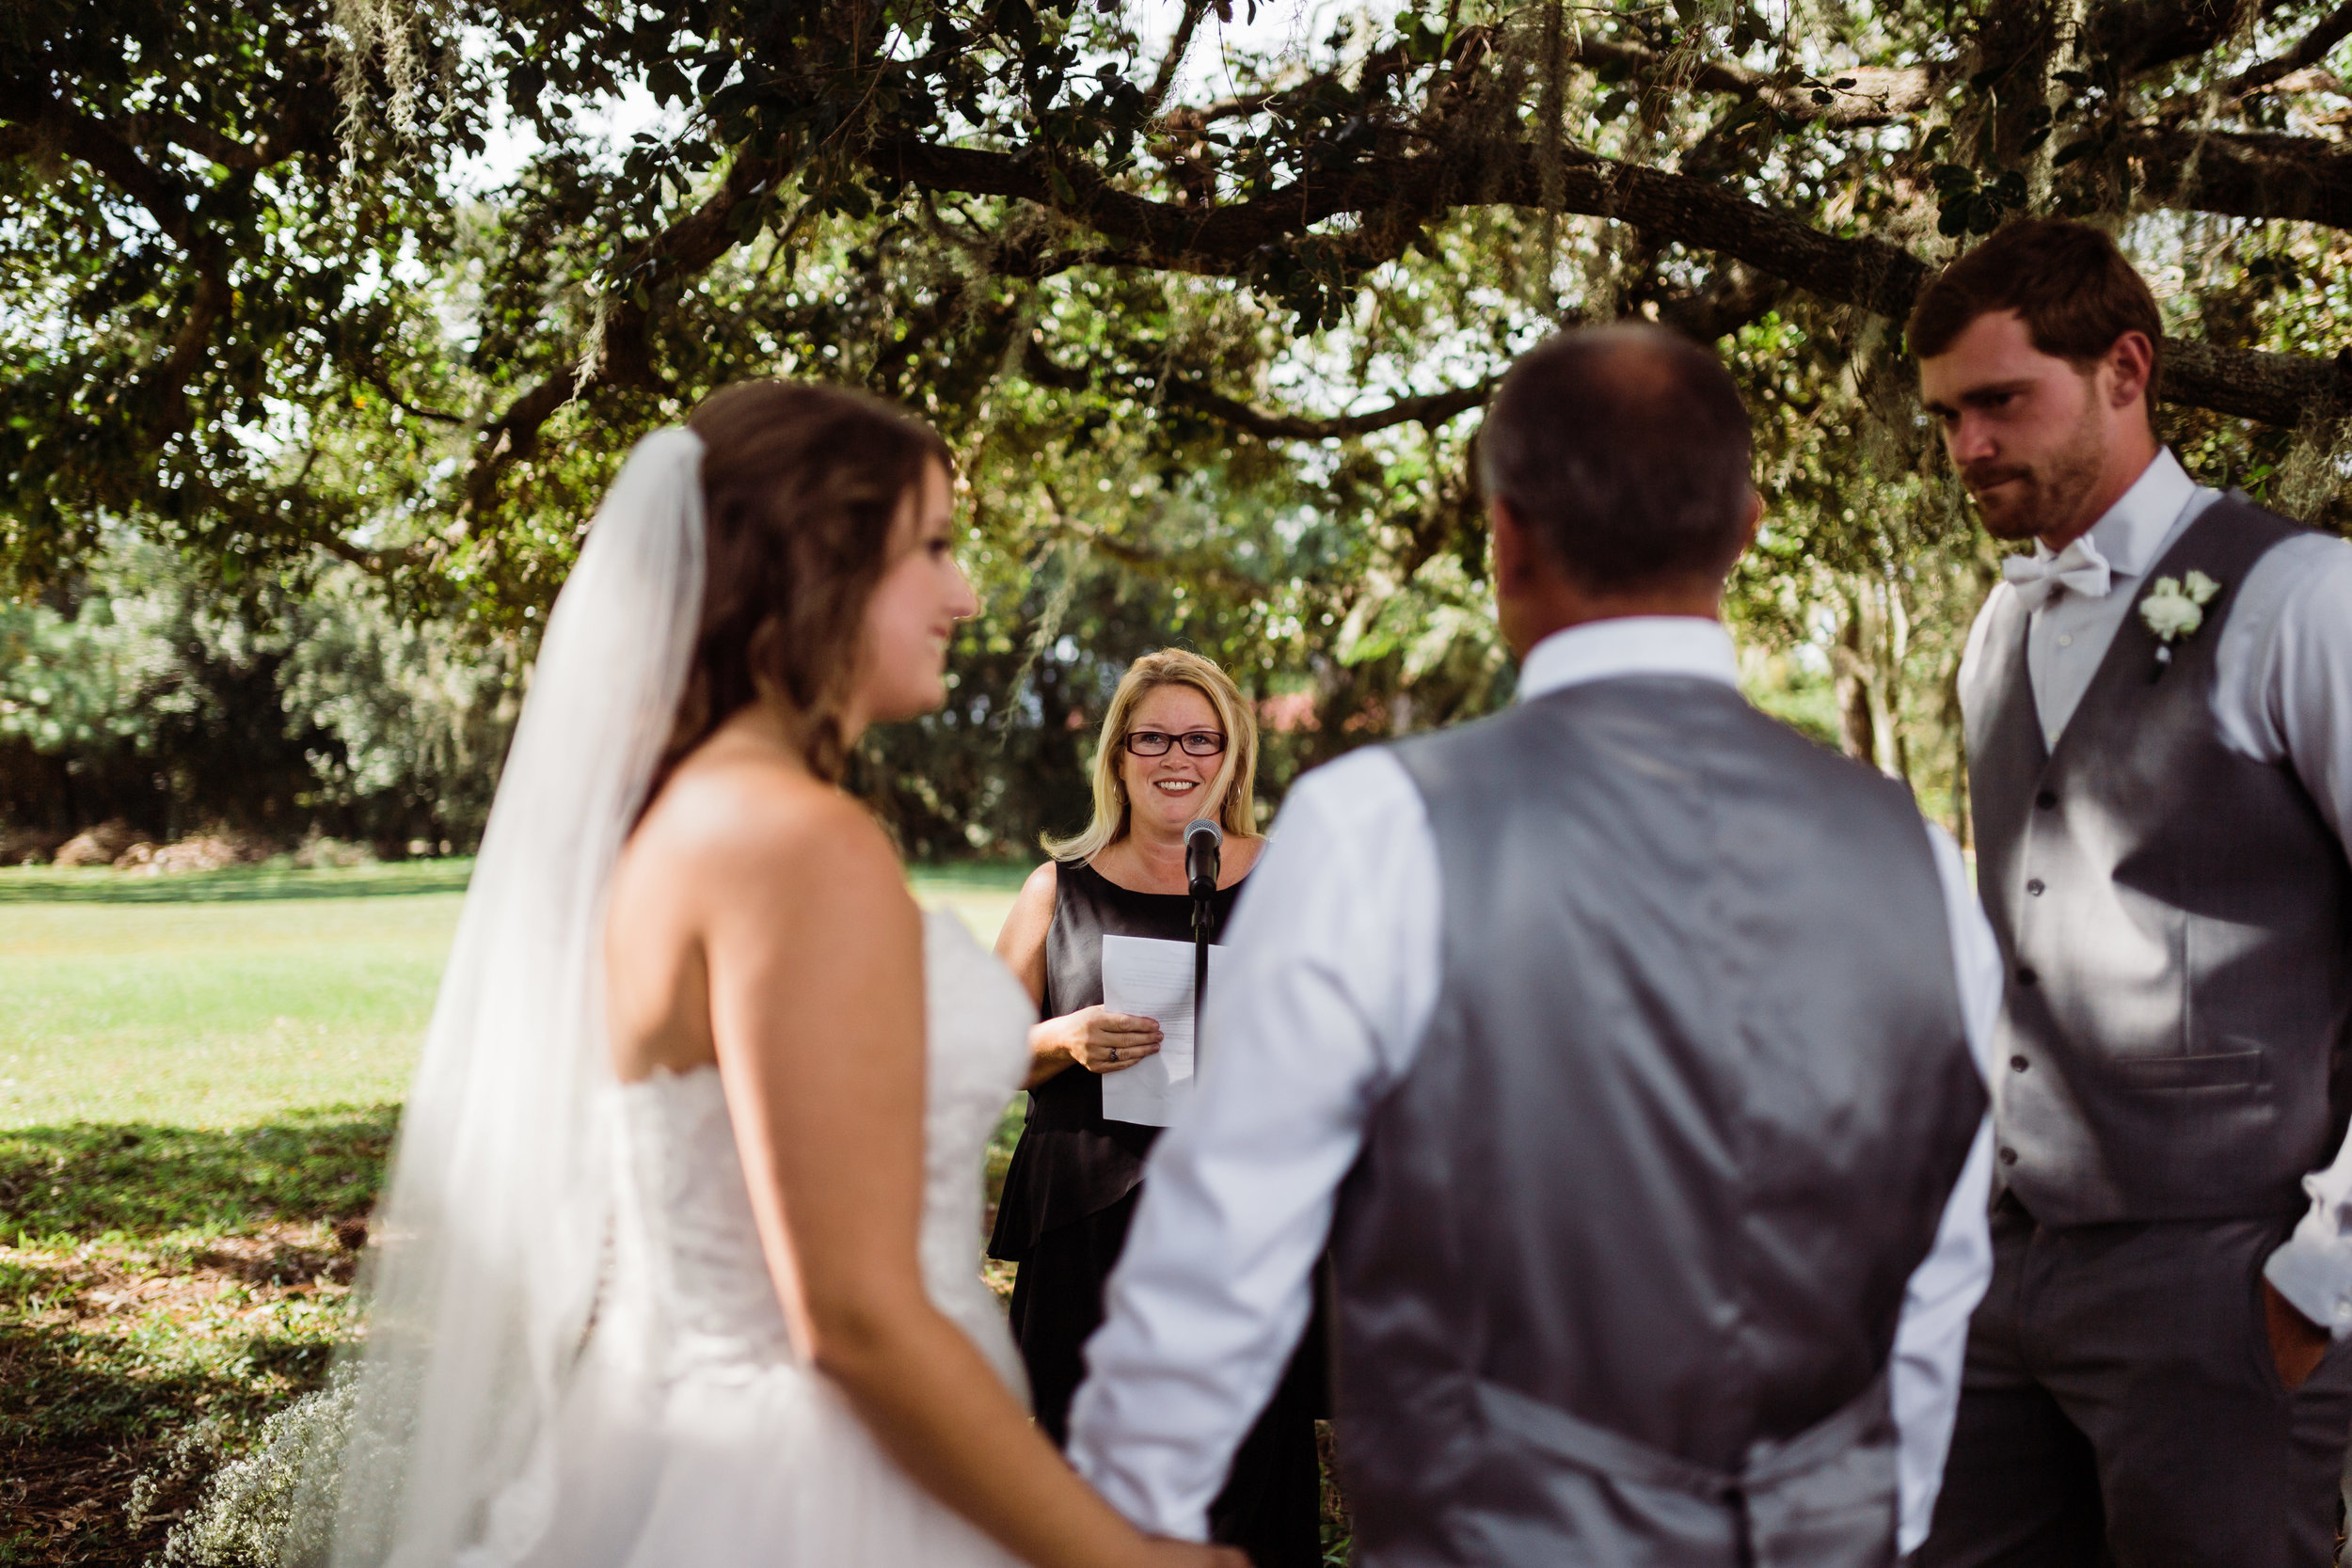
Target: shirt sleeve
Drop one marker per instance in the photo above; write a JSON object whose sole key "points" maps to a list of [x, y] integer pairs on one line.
{"points": [[1971, 676], [2283, 693], [1332, 978], [1931, 1336]]}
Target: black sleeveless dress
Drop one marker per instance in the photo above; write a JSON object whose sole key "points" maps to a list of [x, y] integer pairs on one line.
{"points": [[1069, 1197]]}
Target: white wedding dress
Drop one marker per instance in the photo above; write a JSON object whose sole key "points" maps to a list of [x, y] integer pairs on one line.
{"points": [[695, 1433]]}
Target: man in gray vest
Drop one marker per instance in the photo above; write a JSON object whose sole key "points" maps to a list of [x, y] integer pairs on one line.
{"points": [[2159, 713], [1627, 1048]]}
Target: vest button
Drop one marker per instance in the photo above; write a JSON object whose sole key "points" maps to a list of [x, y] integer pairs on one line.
{"points": [[2018, 1064], [2008, 1156], [2035, 887], [2025, 976], [2047, 799]]}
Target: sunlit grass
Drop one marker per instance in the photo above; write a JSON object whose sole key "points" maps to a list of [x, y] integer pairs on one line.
{"points": [[223, 998]]}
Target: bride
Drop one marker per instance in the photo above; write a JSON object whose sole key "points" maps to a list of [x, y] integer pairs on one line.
{"points": [[678, 1262]]}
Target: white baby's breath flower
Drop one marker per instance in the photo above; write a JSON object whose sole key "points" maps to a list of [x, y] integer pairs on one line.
{"points": [[2174, 609], [2170, 615]]}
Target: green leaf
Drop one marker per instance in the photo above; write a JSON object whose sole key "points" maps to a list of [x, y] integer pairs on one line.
{"points": [[667, 84]]}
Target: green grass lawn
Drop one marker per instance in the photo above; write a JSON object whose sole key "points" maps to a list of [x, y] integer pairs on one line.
{"points": [[220, 998], [199, 1082], [216, 1000]]}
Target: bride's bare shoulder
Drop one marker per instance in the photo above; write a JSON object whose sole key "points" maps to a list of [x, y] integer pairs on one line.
{"points": [[746, 816]]}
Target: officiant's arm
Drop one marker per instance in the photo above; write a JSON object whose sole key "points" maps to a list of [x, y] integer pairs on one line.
{"points": [[814, 954], [2292, 635], [1333, 953], [1094, 1037]]}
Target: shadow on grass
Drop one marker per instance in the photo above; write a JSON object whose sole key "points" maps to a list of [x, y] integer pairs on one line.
{"points": [[86, 1181], [80, 1418], [83, 1415], [156, 1294], [236, 884]]}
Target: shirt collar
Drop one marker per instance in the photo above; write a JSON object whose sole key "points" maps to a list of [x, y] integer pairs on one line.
{"points": [[2135, 528], [1629, 646]]}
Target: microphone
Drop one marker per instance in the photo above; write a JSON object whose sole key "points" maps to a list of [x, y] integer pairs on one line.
{"points": [[1203, 841]]}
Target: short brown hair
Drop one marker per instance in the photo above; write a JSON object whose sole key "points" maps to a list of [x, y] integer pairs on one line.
{"points": [[1625, 452], [801, 485], [2074, 290]]}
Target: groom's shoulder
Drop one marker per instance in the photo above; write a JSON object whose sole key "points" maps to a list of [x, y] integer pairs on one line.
{"points": [[1366, 788]]}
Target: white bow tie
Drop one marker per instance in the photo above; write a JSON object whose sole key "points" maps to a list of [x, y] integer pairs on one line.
{"points": [[2079, 568]]}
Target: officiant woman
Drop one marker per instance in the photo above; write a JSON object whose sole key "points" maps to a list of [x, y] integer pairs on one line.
{"points": [[1179, 742]]}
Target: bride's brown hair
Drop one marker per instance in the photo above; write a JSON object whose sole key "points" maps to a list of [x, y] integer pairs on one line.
{"points": [[801, 485]]}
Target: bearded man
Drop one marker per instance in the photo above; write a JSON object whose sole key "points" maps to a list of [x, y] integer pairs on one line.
{"points": [[2159, 712]]}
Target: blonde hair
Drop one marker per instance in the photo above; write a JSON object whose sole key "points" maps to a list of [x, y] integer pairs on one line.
{"points": [[1235, 788]]}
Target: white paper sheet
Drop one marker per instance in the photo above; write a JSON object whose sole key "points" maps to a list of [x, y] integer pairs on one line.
{"points": [[1153, 978]]}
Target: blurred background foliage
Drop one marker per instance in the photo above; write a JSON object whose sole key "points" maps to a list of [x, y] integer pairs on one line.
{"points": [[326, 320], [145, 691]]}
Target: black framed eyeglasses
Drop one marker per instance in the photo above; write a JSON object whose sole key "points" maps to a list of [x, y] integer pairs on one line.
{"points": [[1154, 743]]}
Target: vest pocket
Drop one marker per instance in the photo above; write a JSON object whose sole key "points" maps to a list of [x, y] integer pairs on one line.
{"points": [[2188, 1137], [2224, 1069]]}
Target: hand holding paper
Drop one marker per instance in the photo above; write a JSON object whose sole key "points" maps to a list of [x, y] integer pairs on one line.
{"points": [[1152, 979]]}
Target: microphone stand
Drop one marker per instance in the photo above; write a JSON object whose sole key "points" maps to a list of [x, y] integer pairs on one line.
{"points": [[1203, 843], [1201, 917]]}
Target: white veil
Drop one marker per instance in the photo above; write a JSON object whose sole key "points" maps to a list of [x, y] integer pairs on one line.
{"points": [[488, 1243]]}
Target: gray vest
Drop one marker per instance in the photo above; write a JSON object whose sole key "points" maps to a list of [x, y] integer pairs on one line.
{"points": [[2174, 915], [1617, 1272]]}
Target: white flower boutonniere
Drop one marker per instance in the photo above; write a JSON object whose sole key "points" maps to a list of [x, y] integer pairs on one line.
{"points": [[2173, 609]]}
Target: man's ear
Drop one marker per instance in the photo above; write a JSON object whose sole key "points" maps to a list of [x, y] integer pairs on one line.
{"points": [[1510, 547], [2128, 362], [1755, 525]]}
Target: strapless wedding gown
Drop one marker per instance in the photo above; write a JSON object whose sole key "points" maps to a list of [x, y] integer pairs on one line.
{"points": [[694, 1434]]}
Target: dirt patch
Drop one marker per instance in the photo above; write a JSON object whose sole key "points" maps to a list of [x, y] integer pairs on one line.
{"points": [[212, 851], [99, 846], [244, 1274]]}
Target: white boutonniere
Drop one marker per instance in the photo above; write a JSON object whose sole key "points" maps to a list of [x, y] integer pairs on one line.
{"points": [[2175, 609]]}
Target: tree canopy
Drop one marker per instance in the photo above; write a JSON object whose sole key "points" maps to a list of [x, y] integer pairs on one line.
{"points": [[1203, 340]]}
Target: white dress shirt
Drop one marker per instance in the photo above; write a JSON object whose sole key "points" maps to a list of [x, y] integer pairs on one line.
{"points": [[2283, 693], [1334, 974]]}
